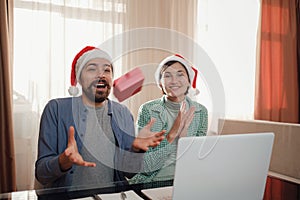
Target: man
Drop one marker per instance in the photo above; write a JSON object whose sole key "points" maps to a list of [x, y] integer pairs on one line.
{"points": [[90, 139]]}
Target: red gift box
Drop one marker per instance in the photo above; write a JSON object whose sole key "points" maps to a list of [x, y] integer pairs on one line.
{"points": [[128, 84]]}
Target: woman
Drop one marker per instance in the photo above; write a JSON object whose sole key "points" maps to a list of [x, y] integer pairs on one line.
{"points": [[174, 112]]}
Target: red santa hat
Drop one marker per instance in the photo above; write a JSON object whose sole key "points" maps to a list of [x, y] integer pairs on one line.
{"points": [[192, 72], [82, 57]]}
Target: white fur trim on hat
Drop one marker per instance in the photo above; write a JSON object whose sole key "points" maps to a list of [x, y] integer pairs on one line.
{"points": [[87, 56]]}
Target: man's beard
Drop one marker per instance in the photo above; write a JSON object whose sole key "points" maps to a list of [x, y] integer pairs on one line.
{"points": [[99, 96]]}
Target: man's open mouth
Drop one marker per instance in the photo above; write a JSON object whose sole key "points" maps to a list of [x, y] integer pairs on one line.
{"points": [[100, 85]]}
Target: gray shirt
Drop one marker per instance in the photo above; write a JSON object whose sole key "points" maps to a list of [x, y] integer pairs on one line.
{"points": [[99, 147]]}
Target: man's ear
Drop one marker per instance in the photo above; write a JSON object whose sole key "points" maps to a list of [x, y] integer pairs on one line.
{"points": [[79, 79]]}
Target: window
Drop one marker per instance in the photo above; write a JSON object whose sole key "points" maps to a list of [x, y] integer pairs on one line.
{"points": [[227, 31], [47, 35]]}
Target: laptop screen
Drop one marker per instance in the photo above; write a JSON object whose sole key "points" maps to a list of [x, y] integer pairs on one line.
{"points": [[222, 167]]}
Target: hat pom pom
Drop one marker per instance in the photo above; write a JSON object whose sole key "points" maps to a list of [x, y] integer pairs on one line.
{"points": [[73, 91], [194, 92]]}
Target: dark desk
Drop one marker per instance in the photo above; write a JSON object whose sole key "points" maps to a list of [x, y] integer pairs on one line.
{"points": [[81, 192]]}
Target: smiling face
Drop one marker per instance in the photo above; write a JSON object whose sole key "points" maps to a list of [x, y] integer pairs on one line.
{"points": [[96, 81], [175, 82]]}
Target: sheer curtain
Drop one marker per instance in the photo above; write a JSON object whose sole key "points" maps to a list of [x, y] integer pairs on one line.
{"points": [[47, 36], [163, 22], [49, 33]]}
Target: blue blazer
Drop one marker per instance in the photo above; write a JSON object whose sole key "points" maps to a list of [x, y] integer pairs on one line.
{"points": [[58, 116]]}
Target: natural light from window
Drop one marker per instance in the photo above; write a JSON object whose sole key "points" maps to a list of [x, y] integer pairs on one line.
{"points": [[227, 31]]}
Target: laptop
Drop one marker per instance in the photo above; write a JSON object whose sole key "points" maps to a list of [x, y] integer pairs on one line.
{"points": [[231, 167]]}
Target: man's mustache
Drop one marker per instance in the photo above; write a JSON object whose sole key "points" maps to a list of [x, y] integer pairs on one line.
{"points": [[100, 84]]}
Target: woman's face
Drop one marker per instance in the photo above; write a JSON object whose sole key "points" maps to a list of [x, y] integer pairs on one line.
{"points": [[175, 82]]}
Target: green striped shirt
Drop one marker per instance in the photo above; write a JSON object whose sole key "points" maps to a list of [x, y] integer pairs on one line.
{"points": [[158, 158]]}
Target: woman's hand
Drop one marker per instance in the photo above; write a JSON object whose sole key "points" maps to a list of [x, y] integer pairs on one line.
{"points": [[181, 123]]}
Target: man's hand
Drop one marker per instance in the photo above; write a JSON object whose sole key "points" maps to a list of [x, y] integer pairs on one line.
{"points": [[146, 138], [71, 155], [181, 123]]}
